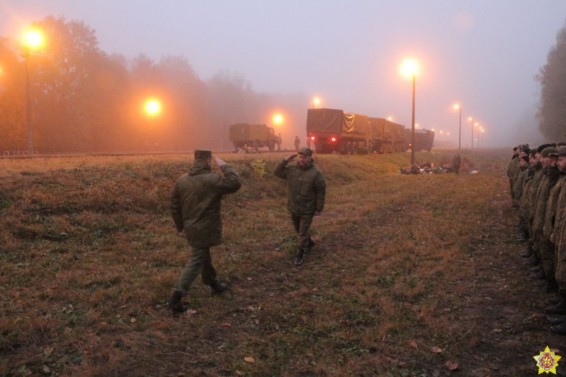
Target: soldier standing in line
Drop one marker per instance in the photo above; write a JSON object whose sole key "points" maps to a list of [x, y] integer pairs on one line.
{"points": [[306, 194], [512, 168], [548, 246], [519, 187], [195, 207], [541, 243], [524, 202], [531, 203], [456, 162], [558, 236]]}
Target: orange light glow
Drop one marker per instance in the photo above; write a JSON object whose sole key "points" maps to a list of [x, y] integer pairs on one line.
{"points": [[278, 119], [312, 137], [316, 102], [333, 139], [33, 38], [152, 107], [457, 106], [409, 68]]}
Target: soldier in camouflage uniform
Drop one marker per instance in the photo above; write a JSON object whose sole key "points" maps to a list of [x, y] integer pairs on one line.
{"points": [[541, 243], [528, 204], [195, 207], [512, 168], [519, 186], [558, 236], [306, 194]]}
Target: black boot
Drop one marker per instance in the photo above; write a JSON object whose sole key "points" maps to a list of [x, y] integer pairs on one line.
{"points": [[559, 329], [551, 286], [299, 257], [218, 287], [556, 320], [175, 303], [311, 243], [560, 308]]}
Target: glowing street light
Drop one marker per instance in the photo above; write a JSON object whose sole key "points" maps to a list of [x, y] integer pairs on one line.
{"points": [[477, 125], [32, 39], [152, 107], [390, 118], [316, 101], [458, 107], [278, 119], [409, 69]]}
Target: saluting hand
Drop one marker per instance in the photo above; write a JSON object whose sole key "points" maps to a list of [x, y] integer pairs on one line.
{"points": [[220, 162], [291, 157]]}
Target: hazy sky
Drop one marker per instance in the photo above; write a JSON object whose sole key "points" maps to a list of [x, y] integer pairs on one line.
{"points": [[482, 53]]}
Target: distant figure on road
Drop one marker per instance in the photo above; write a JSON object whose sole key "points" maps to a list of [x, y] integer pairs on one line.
{"points": [[195, 207], [297, 144], [306, 194]]}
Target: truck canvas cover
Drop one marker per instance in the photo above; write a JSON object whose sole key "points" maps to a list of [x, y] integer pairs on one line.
{"points": [[337, 122]]}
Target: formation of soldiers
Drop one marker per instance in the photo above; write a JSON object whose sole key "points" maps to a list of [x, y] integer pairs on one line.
{"points": [[537, 178]]}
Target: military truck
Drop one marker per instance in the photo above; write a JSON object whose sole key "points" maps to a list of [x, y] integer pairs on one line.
{"points": [[424, 139], [251, 137], [333, 130]]}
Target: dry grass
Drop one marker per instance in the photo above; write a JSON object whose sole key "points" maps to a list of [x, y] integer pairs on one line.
{"points": [[89, 255]]}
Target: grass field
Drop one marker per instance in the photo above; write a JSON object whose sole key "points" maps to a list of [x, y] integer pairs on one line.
{"points": [[411, 275]]}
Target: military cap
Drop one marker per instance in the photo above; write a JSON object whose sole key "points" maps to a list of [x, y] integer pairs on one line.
{"points": [[549, 152], [306, 151], [202, 154], [525, 148], [542, 147], [562, 150]]}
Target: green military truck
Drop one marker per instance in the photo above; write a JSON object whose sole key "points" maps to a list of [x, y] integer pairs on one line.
{"points": [[251, 137]]}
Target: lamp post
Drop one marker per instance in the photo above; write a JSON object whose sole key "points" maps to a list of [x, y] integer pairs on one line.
{"points": [[31, 39], [409, 69], [459, 108], [477, 125], [471, 120]]}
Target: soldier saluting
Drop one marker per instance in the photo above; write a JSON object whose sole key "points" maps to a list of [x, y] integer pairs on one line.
{"points": [[195, 207], [306, 194]]}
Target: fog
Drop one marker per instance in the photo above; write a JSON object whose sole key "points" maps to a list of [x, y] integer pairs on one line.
{"points": [[280, 54]]}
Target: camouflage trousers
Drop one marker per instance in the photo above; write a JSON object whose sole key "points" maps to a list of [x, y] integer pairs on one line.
{"points": [[302, 225], [561, 270], [199, 263], [546, 250]]}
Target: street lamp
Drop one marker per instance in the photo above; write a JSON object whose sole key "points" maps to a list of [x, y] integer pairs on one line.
{"points": [[152, 107], [409, 69], [316, 102], [277, 119], [32, 39], [459, 108]]}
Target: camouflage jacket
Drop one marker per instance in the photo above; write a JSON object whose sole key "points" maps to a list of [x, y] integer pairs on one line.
{"points": [[519, 186], [551, 207], [532, 194], [195, 202], [512, 171], [549, 179], [560, 210], [306, 188]]}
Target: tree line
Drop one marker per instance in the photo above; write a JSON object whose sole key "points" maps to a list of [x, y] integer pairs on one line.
{"points": [[552, 77], [84, 100]]}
